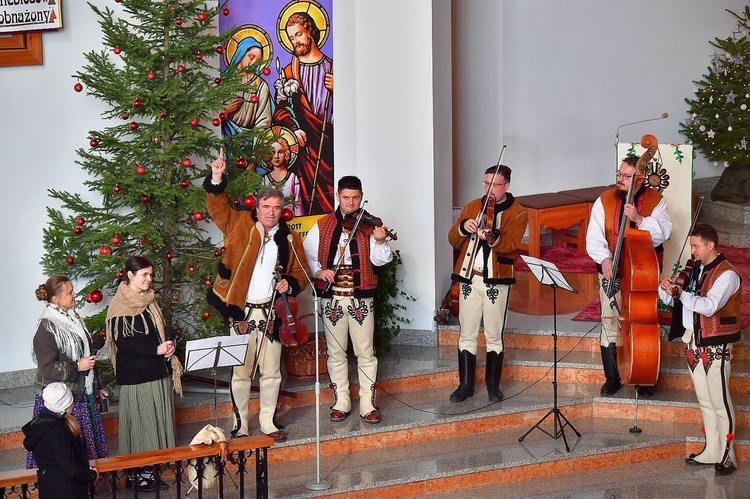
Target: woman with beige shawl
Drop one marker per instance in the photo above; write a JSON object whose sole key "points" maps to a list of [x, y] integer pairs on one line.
{"points": [[145, 367]]}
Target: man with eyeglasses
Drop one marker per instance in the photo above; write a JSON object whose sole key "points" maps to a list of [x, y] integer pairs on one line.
{"points": [[648, 212], [484, 271]]}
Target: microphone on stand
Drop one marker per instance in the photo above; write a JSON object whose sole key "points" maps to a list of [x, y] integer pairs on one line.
{"points": [[316, 484], [617, 134]]}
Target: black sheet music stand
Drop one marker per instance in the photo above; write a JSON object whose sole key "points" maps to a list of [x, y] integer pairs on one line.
{"points": [[548, 274], [210, 353]]}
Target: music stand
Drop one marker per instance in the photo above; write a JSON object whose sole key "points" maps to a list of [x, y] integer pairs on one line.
{"points": [[219, 351], [548, 274]]}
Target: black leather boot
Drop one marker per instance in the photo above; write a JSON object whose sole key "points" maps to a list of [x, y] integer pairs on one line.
{"points": [[609, 363], [493, 370], [467, 363]]}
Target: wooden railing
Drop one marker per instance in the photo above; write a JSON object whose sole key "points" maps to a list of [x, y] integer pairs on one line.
{"points": [[171, 464]]}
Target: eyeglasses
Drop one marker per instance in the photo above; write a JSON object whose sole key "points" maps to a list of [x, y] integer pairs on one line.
{"points": [[495, 184], [623, 175]]}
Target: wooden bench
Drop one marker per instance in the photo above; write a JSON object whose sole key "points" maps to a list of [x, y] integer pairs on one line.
{"points": [[559, 211]]}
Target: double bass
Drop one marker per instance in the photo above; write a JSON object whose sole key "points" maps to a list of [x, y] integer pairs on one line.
{"points": [[636, 265]]}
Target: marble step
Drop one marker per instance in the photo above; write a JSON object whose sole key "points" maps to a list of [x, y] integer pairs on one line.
{"points": [[731, 232], [721, 210]]}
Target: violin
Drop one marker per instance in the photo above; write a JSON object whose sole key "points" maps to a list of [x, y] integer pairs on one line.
{"points": [[365, 218], [489, 220], [683, 278], [291, 332]]}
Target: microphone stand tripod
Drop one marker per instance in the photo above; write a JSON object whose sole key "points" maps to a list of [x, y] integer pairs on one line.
{"points": [[549, 275]]}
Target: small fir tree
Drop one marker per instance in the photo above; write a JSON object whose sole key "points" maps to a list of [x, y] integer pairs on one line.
{"points": [[158, 74], [718, 122]]}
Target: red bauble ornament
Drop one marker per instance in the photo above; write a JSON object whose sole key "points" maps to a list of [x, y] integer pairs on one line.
{"points": [[140, 170], [205, 316], [194, 123], [163, 114], [116, 240], [190, 267], [287, 215], [241, 163], [77, 231], [249, 202], [145, 198], [178, 21], [184, 184], [198, 216], [103, 332], [266, 71], [96, 296], [116, 188], [70, 260], [137, 103], [80, 221], [121, 275], [223, 249], [225, 11], [143, 241], [133, 126], [219, 50], [189, 221], [94, 143], [198, 56], [202, 16], [88, 298], [178, 331], [105, 250], [151, 76], [169, 255], [117, 50], [216, 122], [186, 163], [254, 99], [180, 68], [217, 253], [217, 80], [237, 202], [78, 87], [222, 116], [206, 281], [124, 116]]}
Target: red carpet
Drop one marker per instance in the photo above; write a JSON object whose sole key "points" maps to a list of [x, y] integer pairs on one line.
{"points": [[570, 260]]}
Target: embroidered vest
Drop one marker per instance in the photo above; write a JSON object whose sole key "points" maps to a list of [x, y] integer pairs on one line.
{"points": [[724, 325], [365, 279]]}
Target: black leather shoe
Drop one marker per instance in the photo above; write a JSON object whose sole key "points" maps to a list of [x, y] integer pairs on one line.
{"points": [[462, 393], [691, 461], [610, 388], [646, 391], [724, 469]]}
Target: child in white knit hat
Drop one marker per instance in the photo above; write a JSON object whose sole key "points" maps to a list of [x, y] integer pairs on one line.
{"points": [[54, 438]]}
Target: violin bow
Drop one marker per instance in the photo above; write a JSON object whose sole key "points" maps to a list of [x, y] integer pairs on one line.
{"points": [[698, 207], [492, 182], [269, 319], [343, 251]]}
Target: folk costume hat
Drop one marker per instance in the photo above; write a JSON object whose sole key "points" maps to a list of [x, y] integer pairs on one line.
{"points": [[57, 397]]}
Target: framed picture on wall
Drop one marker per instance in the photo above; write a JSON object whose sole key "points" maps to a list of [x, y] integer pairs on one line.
{"points": [[21, 49]]}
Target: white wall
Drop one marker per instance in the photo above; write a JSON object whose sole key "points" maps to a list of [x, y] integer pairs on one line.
{"points": [[572, 71], [545, 77], [385, 132]]}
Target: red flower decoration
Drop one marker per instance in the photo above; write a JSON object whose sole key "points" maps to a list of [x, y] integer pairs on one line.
{"points": [[730, 437]]}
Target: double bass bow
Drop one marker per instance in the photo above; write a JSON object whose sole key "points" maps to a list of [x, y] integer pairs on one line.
{"points": [[636, 264]]}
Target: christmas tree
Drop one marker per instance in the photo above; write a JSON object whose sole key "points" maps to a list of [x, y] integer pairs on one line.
{"points": [[159, 76], [718, 123]]}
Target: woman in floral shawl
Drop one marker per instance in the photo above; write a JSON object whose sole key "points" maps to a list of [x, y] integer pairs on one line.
{"points": [[62, 351]]}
